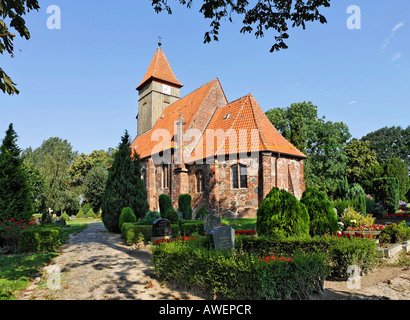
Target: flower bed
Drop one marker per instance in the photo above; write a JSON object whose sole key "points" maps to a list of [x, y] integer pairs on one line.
{"points": [[10, 230], [374, 227], [245, 232]]}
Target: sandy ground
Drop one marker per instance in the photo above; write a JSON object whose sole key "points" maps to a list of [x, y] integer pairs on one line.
{"points": [[96, 265]]}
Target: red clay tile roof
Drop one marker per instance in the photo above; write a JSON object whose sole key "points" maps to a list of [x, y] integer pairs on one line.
{"points": [[187, 106], [238, 127], [160, 69], [241, 126]]}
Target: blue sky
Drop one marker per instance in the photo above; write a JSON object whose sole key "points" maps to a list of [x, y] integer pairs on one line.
{"points": [[78, 83]]}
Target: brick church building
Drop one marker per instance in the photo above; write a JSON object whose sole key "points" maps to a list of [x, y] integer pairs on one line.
{"points": [[226, 155]]}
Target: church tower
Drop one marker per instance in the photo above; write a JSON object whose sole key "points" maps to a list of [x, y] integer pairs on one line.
{"points": [[158, 89]]}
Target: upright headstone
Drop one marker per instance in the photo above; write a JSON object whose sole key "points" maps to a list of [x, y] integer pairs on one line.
{"points": [[161, 229], [211, 221], [223, 238]]}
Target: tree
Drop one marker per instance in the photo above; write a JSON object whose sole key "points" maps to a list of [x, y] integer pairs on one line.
{"points": [[16, 198], [396, 168], [322, 141], [124, 187], [53, 159], [94, 186], [258, 17], [12, 11], [360, 157], [82, 164], [390, 142]]}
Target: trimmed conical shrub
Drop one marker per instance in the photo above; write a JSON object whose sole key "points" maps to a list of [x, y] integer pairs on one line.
{"points": [[124, 188], [184, 205], [80, 214], [323, 218], [165, 203], [127, 215], [280, 213], [91, 214]]}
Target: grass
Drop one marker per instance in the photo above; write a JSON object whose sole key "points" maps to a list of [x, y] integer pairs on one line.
{"points": [[240, 224], [17, 270]]}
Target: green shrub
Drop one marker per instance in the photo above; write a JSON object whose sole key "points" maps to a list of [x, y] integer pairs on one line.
{"points": [[65, 216], [184, 205], [280, 212], [43, 238], [370, 206], [165, 203], [346, 252], [323, 219], [395, 233], [46, 218], [228, 275], [171, 215], [201, 214], [91, 214], [386, 192], [192, 227], [149, 218], [340, 252], [80, 214], [341, 205], [358, 198], [127, 215], [352, 218], [131, 232]]}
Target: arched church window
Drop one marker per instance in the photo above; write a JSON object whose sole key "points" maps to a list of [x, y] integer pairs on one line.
{"points": [[165, 176]]}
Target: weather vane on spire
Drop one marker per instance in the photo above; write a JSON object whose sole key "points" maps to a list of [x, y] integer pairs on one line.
{"points": [[159, 41]]}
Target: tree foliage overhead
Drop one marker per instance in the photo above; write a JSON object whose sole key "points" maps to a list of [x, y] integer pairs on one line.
{"points": [[258, 16], [12, 11]]}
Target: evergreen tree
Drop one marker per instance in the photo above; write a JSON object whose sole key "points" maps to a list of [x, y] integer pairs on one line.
{"points": [[16, 198], [124, 188]]}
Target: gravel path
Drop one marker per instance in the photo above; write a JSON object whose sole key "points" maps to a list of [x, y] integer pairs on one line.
{"points": [[96, 265]]}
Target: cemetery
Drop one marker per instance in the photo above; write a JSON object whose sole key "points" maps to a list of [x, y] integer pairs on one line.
{"points": [[272, 259]]}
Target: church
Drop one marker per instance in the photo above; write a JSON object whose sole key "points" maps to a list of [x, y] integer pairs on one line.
{"points": [[226, 155]]}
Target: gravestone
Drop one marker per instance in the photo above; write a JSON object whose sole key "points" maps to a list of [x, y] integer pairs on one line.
{"points": [[223, 238], [161, 229], [211, 221]]}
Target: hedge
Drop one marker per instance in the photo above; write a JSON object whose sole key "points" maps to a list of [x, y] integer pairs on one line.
{"points": [[43, 238], [131, 232], [341, 252], [190, 227], [239, 276]]}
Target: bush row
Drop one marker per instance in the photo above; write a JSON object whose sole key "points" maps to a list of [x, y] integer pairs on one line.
{"points": [[40, 239], [132, 232], [239, 276], [340, 252]]}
